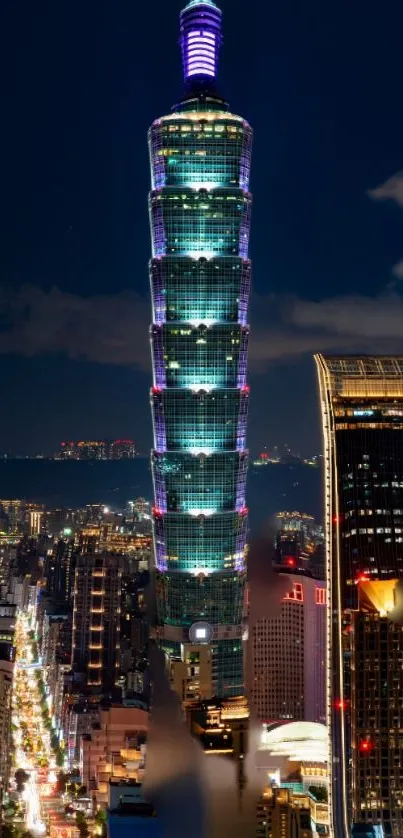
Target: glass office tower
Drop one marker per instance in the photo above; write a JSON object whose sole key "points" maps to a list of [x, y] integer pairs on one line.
{"points": [[362, 412], [200, 209]]}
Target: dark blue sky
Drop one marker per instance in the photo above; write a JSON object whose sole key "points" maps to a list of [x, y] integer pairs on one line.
{"points": [[82, 79]]}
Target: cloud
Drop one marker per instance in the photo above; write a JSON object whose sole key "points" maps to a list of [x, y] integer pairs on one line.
{"points": [[391, 190], [113, 329], [296, 327], [397, 270], [110, 329]]}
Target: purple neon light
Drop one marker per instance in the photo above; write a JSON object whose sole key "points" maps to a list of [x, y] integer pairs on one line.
{"points": [[200, 39], [158, 357], [160, 554], [160, 493], [157, 226], [240, 542], [241, 484], [244, 294], [201, 53], [160, 437], [242, 420], [158, 295], [244, 228], [243, 358], [159, 166], [245, 162]]}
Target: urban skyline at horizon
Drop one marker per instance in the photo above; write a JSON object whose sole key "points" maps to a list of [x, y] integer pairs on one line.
{"points": [[312, 270], [164, 667]]}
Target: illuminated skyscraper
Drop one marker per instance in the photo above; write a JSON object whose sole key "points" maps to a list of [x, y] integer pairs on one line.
{"points": [[200, 276], [362, 411], [96, 621]]}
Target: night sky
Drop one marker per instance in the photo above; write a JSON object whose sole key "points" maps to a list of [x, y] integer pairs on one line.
{"points": [[321, 84]]}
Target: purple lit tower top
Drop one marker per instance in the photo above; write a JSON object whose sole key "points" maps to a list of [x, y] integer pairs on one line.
{"points": [[200, 26]]}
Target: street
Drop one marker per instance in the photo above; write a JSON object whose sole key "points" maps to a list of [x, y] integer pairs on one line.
{"points": [[37, 755]]}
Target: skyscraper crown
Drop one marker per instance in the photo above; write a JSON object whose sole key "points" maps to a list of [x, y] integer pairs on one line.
{"points": [[200, 28]]}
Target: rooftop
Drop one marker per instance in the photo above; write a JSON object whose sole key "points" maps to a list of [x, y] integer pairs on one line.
{"points": [[296, 741]]}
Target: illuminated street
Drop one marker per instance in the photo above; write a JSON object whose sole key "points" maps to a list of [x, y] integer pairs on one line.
{"points": [[31, 735]]}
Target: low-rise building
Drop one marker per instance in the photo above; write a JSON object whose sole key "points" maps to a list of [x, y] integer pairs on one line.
{"points": [[114, 748], [287, 813], [128, 813]]}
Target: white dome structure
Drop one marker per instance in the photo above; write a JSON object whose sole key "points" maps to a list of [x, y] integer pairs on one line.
{"points": [[295, 742]]}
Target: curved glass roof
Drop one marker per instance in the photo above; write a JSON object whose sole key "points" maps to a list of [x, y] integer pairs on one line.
{"points": [[296, 741]]}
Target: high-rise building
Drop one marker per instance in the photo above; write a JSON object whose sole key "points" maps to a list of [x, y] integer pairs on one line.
{"points": [[200, 275], [34, 519], [96, 621], [289, 653], [59, 569], [362, 412], [12, 515]]}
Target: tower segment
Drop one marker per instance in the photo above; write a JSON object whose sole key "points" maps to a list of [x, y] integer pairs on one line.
{"points": [[200, 209]]}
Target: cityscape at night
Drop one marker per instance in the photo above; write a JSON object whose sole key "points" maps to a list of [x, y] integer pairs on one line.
{"points": [[201, 586]]}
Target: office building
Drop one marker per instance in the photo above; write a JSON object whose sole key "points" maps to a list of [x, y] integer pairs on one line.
{"points": [[200, 275], [362, 411], [34, 517], [285, 813], [288, 654], [12, 516], [60, 563], [96, 621]]}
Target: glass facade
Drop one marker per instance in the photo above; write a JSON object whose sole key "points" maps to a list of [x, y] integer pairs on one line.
{"points": [[200, 208], [362, 410]]}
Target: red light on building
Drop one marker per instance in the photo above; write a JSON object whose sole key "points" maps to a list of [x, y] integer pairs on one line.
{"points": [[340, 704], [337, 519], [361, 577], [366, 746], [289, 561], [155, 390]]}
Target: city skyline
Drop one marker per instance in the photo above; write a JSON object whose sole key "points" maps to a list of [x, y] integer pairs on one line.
{"points": [[324, 139], [161, 666]]}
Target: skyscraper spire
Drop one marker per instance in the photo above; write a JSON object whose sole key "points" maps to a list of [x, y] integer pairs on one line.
{"points": [[200, 27]]}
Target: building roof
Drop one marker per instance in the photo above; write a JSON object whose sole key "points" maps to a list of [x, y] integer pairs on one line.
{"points": [[296, 741]]}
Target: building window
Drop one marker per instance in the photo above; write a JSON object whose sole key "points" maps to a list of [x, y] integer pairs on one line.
{"points": [[321, 596]]}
